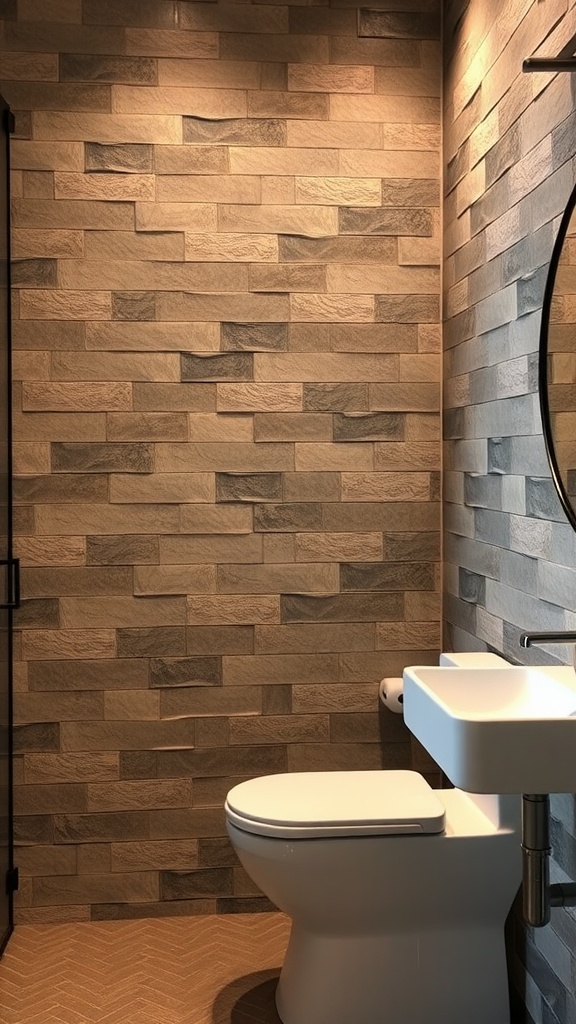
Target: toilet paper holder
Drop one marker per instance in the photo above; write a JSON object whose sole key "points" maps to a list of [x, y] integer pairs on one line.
{"points": [[390, 692]]}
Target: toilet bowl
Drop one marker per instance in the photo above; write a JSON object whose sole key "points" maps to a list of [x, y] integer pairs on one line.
{"points": [[397, 894]]}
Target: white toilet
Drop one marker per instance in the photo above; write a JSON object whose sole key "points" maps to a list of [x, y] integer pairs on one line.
{"points": [[397, 893]]}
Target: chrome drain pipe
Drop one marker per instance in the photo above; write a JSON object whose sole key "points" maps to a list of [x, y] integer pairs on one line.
{"points": [[538, 896]]}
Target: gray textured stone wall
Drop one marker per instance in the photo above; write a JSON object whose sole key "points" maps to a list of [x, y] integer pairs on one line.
{"points": [[510, 556]]}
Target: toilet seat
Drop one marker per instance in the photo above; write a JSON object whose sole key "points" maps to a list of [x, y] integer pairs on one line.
{"points": [[324, 804]]}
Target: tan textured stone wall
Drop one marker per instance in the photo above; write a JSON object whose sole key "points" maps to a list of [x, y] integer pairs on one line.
{"points": [[226, 235]]}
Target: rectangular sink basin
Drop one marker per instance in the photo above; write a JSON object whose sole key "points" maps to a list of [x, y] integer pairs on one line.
{"points": [[496, 730]]}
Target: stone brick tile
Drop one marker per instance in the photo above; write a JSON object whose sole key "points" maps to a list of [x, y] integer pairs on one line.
{"points": [[131, 705], [223, 609], [339, 249], [334, 135], [112, 735], [235, 131], [340, 607], [224, 457], [119, 612], [210, 700], [262, 579], [49, 96], [308, 49], [385, 221], [153, 641], [327, 78], [127, 13], [355, 728], [121, 550], [175, 217], [211, 549], [230, 247], [275, 103], [403, 635], [53, 156], [185, 824], [313, 638], [153, 426], [310, 221], [127, 245], [389, 486], [110, 127], [254, 337], [45, 489], [281, 161], [313, 757], [282, 728], [279, 547], [387, 576], [51, 550], [334, 367], [248, 487], [104, 186], [367, 278], [211, 427], [258, 397], [405, 397], [334, 457], [224, 306], [210, 519], [312, 487], [72, 396], [73, 305], [230, 19], [76, 67], [271, 426], [50, 244], [159, 336], [177, 854], [68, 643], [154, 42], [332, 308], [138, 276], [275, 669], [335, 697], [205, 640], [88, 675], [135, 796], [338, 547], [160, 580], [135, 886], [185, 396], [410, 456], [284, 278], [118, 366], [209, 73], [45, 582], [198, 188], [36, 67], [337, 397], [67, 457]]}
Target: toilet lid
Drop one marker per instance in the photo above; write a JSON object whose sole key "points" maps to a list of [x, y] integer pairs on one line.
{"points": [[314, 804]]}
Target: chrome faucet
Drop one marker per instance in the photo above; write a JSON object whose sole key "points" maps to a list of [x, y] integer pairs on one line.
{"points": [[567, 637]]}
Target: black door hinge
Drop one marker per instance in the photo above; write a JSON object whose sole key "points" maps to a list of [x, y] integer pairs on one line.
{"points": [[12, 880]]}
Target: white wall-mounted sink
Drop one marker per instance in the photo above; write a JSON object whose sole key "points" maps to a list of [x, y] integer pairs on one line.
{"points": [[496, 730]]}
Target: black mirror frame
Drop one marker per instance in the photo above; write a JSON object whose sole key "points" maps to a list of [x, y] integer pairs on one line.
{"points": [[543, 361]]}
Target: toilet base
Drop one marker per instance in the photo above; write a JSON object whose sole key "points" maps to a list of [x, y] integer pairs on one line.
{"points": [[437, 977]]}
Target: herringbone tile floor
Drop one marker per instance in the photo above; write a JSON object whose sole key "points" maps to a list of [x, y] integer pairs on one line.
{"points": [[193, 970]]}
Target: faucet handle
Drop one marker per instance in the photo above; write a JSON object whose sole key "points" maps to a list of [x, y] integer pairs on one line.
{"points": [[558, 637]]}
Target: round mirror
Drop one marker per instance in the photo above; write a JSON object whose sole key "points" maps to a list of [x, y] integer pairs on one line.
{"points": [[557, 365]]}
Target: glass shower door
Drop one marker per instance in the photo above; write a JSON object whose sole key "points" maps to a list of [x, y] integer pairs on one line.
{"points": [[8, 565]]}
